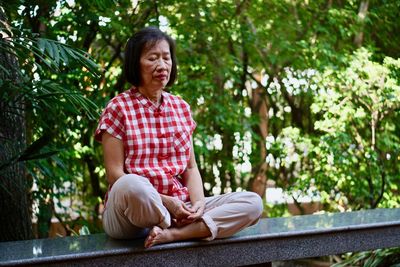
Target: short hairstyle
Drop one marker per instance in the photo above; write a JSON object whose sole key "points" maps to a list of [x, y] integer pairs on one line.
{"points": [[145, 39]]}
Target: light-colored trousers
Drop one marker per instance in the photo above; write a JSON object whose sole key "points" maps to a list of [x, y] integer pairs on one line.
{"points": [[134, 206]]}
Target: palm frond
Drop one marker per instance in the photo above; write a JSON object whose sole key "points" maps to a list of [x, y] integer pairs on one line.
{"points": [[37, 53], [53, 54]]}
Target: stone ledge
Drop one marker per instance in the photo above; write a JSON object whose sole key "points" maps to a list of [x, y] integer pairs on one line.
{"points": [[270, 240]]}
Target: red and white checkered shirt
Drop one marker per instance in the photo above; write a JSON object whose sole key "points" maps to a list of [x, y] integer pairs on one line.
{"points": [[157, 141]]}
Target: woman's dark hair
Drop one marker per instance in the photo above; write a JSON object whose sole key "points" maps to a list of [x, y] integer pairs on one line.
{"points": [[145, 39]]}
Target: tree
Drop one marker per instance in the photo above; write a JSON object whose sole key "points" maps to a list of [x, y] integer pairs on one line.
{"points": [[27, 93], [14, 204], [356, 159], [249, 70]]}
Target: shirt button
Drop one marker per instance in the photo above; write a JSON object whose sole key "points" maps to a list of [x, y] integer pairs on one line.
{"points": [[160, 135]]}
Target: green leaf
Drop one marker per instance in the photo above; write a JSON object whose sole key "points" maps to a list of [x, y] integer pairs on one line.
{"points": [[41, 45], [64, 56], [41, 155], [56, 53], [36, 146], [71, 53], [84, 230], [49, 48]]}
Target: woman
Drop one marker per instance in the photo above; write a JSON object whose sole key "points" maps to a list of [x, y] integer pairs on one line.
{"points": [[146, 135]]}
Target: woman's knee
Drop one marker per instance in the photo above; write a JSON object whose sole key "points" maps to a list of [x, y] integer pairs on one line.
{"points": [[255, 205], [132, 186]]}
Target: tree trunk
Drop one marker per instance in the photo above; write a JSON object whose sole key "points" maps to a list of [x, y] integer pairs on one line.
{"points": [[14, 205], [362, 13], [259, 105]]}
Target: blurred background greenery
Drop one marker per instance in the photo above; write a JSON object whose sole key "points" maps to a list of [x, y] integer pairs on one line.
{"points": [[297, 95]]}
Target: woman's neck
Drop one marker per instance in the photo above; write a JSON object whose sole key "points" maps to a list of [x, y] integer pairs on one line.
{"points": [[153, 96]]}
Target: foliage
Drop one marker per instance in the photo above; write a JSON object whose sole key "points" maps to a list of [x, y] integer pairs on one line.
{"points": [[279, 90], [377, 258], [359, 145], [352, 161], [49, 104], [40, 96]]}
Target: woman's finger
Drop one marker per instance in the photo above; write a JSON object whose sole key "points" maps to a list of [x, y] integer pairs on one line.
{"points": [[182, 212], [189, 209], [199, 212]]}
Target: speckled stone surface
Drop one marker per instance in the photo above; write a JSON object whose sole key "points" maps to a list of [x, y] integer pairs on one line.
{"points": [[270, 240]]}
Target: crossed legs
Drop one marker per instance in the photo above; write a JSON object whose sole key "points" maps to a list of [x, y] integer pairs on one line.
{"points": [[134, 205]]}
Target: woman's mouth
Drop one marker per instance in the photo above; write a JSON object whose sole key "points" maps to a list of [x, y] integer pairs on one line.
{"points": [[161, 77]]}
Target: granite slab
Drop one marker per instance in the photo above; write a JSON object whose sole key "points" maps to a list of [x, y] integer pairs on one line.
{"points": [[270, 240]]}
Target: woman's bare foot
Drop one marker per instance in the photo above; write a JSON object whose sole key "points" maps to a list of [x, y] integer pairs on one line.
{"points": [[197, 229], [158, 236]]}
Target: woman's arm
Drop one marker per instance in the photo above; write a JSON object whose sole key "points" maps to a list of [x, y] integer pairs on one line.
{"points": [[192, 180], [113, 150]]}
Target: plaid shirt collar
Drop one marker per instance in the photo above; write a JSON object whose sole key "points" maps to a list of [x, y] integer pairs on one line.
{"points": [[148, 103]]}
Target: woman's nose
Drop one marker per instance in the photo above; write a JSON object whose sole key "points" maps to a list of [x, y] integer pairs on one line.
{"points": [[161, 65]]}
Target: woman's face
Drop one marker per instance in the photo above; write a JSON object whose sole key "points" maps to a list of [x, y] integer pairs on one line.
{"points": [[155, 66]]}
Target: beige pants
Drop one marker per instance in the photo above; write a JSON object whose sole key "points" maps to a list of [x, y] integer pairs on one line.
{"points": [[134, 206]]}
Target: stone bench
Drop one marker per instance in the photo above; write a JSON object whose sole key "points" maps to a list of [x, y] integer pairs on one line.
{"points": [[270, 240]]}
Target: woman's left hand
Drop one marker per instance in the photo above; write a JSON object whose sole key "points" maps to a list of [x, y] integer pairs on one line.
{"points": [[197, 210]]}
